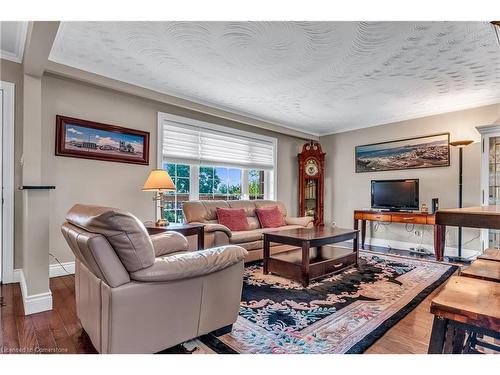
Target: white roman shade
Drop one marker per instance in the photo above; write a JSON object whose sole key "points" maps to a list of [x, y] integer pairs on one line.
{"points": [[187, 141]]}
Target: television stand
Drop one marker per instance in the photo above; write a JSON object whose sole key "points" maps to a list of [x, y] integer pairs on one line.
{"points": [[393, 211], [401, 217]]}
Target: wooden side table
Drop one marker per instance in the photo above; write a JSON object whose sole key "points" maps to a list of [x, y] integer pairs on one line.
{"points": [[184, 229], [416, 217], [483, 217]]}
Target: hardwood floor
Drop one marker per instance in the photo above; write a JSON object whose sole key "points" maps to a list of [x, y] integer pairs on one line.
{"points": [[59, 331], [410, 335], [55, 331]]}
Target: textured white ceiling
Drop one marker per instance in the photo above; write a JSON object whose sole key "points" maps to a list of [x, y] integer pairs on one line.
{"points": [[317, 77], [12, 40]]}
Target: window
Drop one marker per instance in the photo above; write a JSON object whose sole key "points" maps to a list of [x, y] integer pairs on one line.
{"points": [[212, 162], [219, 183], [255, 184], [173, 200], [214, 183]]}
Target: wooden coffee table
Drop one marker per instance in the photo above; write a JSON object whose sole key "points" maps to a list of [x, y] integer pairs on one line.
{"points": [[315, 255]]}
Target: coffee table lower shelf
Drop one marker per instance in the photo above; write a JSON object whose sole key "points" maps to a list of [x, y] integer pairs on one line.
{"points": [[323, 261], [315, 256]]}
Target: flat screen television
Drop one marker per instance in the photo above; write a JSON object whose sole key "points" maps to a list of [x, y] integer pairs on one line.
{"points": [[395, 195]]}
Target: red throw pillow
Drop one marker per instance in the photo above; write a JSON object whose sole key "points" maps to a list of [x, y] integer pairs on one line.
{"points": [[270, 217], [233, 218]]}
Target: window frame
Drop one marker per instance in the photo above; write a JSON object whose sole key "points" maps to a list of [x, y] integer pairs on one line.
{"points": [[194, 183], [175, 194], [270, 175]]}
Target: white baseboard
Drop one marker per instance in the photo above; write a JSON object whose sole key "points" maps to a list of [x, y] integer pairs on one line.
{"points": [[408, 245], [55, 270], [41, 302], [63, 269], [36, 302], [16, 276]]}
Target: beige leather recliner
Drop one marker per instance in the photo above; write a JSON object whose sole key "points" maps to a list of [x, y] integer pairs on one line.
{"points": [[205, 212], [137, 293]]}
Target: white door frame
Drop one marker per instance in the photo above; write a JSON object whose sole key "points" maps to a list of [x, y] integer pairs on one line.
{"points": [[487, 132], [8, 94]]}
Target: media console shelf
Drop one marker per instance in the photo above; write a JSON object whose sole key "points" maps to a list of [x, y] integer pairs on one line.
{"points": [[416, 217]]}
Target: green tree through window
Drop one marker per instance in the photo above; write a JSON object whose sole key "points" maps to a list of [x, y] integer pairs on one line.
{"points": [[256, 184], [173, 200], [219, 183], [214, 183]]}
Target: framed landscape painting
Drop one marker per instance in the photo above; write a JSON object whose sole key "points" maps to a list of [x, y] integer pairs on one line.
{"points": [[92, 140], [419, 152]]}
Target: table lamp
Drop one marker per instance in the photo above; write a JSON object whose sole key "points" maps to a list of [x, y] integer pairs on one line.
{"points": [[159, 181], [460, 145]]}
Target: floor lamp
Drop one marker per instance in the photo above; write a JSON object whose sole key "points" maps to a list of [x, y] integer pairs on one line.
{"points": [[460, 145]]}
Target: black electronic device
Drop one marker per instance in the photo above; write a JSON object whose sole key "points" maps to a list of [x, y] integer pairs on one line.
{"points": [[395, 195], [435, 205]]}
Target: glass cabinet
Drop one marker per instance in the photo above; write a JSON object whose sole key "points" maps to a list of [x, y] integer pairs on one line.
{"points": [[490, 178]]}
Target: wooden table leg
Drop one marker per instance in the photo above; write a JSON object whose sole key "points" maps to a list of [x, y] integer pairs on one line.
{"points": [[355, 248], [356, 227], [266, 254], [438, 335], [439, 241], [201, 238], [458, 340], [363, 233], [305, 263]]}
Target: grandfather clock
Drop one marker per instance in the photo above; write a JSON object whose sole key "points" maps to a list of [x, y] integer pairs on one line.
{"points": [[311, 181]]}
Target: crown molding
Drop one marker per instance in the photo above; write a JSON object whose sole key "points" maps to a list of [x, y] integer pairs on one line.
{"points": [[419, 115], [64, 71]]}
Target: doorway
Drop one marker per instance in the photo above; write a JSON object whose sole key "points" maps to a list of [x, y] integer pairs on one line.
{"points": [[7, 182]]}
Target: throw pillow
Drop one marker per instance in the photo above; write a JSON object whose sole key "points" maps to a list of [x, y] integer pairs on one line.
{"points": [[233, 218], [270, 217]]}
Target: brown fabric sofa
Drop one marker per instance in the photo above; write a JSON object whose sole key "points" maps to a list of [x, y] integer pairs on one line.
{"points": [[137, 293], [218, 235]]}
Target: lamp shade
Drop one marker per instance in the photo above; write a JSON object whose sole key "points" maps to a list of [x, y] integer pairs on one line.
{"points": [[462, 143], [158, 179]]}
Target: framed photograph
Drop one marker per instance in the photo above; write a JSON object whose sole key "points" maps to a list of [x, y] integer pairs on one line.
{"points": [[92, 140], [419, 152]]}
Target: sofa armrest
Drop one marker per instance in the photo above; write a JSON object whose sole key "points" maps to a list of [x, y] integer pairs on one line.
{"points": [[168, 242], [212, 227], [191, 264], [305, 221]]}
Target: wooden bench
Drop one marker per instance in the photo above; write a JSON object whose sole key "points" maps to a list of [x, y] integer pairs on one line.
{"points": [[464, 305], [483, 269], [490, 254]]}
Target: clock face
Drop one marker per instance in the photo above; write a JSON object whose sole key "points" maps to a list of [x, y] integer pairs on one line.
{"points": [[311, 167]]}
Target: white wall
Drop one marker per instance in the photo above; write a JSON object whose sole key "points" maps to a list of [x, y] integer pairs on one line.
{"points": [[346, 190], [116, 184]]}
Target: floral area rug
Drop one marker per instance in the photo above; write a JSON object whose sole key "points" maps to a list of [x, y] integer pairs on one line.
{"points": [[344, 313]]}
